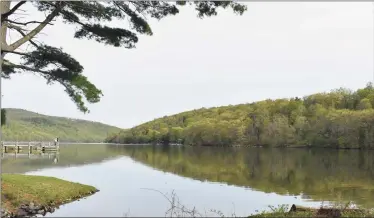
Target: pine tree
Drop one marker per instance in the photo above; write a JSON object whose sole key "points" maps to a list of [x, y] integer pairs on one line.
{"points": [[55, 65]]}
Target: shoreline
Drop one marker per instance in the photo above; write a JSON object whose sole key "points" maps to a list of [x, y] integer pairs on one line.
{"points": [[252, 146], [300, 211], [25, 195]]}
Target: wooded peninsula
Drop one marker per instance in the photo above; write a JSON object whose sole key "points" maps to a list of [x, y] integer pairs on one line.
{"points": [[341, 118]]}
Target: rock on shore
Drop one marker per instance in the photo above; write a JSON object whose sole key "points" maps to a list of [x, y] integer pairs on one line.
{"points": [[27, 210]]}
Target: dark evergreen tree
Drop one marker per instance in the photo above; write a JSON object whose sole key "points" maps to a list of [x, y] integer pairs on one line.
{"points": [[3, 117]]}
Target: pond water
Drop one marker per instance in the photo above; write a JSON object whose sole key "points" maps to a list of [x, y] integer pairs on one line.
{"points": [[240, 181]]}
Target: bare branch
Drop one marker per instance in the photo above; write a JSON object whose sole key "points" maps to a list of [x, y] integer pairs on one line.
{"points": [[20, 30], [13, 26], [26, 23], [13, 52], [11, 11], [176, 208], [39, 28]]}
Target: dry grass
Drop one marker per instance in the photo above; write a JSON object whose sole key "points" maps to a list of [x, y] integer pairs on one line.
{"points": [[335, 211], [338, 210]]}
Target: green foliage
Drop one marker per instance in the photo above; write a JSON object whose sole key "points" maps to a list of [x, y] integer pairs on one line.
{"points": [[283, 211], [91, 18], [3, 117], [339, 119], [364, 104], [24, 125]]}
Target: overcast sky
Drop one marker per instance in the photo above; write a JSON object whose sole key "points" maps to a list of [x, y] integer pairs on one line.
{"points": [[274, 50]]}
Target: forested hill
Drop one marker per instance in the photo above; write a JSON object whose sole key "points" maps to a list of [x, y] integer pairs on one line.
{"points": [[23, 125], [341, 118]]}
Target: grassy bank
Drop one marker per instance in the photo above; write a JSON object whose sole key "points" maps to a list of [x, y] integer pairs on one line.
{"points": [[298, 211], [19, 191]]}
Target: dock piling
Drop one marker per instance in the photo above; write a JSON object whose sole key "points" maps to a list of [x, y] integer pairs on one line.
{"points": [[22, 146]]}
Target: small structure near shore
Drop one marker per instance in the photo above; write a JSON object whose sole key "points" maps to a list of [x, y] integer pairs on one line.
{"points": [[18, 147]]}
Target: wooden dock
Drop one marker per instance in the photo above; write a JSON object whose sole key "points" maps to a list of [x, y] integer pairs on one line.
{"points": [[18, 147]]}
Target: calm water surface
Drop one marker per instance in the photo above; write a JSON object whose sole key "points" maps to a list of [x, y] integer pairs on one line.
{"points": [[232, 180]]}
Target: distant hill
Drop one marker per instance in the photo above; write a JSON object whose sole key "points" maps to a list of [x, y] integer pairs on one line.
{"points": [[23, 125], [341, 119]]}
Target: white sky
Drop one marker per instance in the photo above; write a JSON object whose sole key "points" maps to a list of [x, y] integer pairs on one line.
{"points": [[274, 50]]}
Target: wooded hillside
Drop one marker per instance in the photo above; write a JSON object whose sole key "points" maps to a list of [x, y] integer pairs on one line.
{"points": [[341, 118], [23, 125]]}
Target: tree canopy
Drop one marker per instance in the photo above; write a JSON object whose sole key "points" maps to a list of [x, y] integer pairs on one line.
{"points": [[340, 119], [55, 65]]}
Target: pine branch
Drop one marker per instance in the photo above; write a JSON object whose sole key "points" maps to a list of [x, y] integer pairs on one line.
{"points": [[139, 24], [76, 85], [56, 66], [23, 67], [72, 18]]}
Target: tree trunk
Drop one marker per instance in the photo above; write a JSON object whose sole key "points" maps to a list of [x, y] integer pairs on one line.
{"points": [[4, 7]]}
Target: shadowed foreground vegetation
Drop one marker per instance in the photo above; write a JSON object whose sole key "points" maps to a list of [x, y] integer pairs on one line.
{"points": [[338, 210], [18, 190], [297, 211], [339, 119], [23, 125]]}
